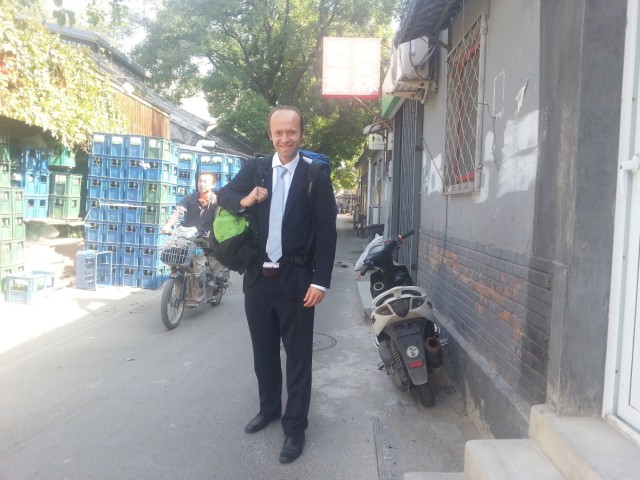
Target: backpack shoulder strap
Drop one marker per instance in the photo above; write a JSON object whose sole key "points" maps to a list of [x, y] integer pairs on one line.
{"points": [[312, 175]]}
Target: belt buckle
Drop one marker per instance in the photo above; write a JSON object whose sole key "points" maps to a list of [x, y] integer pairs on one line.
{"points": [[270, 272]]}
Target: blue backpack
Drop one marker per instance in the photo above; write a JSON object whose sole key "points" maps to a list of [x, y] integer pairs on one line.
{"points": [[319, 158]]}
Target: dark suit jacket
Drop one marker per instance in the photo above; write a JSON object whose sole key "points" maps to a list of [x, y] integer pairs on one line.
{"points": [[299, 216]]}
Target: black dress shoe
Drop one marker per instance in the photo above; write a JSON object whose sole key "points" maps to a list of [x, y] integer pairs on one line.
{"points": [[258, 423], [292, 448]]}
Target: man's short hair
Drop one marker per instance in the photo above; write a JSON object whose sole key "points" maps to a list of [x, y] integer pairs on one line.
{"points": [[213, 175], [285, 107]]}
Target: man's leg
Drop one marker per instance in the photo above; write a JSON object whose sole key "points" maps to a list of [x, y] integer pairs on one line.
{"points": [[265, 339], [297, 338]]}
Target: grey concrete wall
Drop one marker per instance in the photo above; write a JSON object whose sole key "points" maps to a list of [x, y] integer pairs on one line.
{"points": [[492, 295], [582, 60]]}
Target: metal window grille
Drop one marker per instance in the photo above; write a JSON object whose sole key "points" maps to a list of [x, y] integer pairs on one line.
{"points": [[463, 78]]}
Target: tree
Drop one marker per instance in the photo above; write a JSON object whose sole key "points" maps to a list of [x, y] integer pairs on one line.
{"points": [[54, 86], [249, 55]]}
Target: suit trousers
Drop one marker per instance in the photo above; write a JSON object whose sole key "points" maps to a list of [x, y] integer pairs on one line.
{"points": [[272, 316]]}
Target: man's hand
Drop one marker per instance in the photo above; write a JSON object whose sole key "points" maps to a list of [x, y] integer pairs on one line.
{"points": [[165, 230], [313, 297], [257, 195]]}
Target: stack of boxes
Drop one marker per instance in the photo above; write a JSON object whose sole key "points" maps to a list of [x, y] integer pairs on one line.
{"points": [[188, 162], [64, 196], [132, 190], [12, 216], [224, 166], [30, 171]]}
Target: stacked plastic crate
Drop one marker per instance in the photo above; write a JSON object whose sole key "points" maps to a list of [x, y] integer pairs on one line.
{"points": [[188, 161], [30, 171], [64, 195], [12, 216], [131, 190], [224, 166]]}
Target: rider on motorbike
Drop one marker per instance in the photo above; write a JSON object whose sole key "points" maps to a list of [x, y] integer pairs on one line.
{"points": [[197, 210]]}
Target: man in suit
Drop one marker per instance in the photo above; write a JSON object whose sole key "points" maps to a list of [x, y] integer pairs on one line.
{"points": [[297, 242]]}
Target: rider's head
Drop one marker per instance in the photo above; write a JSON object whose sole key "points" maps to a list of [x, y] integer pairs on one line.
{"points": [[206, 182]]}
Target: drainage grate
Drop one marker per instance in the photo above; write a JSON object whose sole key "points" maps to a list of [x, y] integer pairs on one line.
{"points": [[322, 342]]}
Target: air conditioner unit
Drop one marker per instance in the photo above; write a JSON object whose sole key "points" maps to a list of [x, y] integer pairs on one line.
{"points": [[412, 60]]}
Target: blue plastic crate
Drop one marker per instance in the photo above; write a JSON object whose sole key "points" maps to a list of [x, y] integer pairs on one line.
{"points": [[108, 144], [44, 160], [134, 169], [150, 235], [93, 210], [129, 276], [96, 187], [157, 170], [150, 256], [131, 233], [90, 246], [116, 274], [116, 145], [29, 287], [99, 145], [182, 190], [131, 214], [115, 189], [173, 194], [152, 278], [116, 168], [129, 255], [186, 178], [114, 248], [111, 212], [111, 232], [175, 152], [35, 184], [135, 146], [133, 190], [97, 166], [187, 161], [92, 232], [210, 163], [93, 270], [37, 207]]}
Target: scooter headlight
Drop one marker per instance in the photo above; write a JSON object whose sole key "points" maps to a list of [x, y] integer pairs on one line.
{"points": [[401, 306]]}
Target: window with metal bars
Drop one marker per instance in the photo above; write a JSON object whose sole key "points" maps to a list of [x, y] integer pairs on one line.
{"points": [[463, 77]]}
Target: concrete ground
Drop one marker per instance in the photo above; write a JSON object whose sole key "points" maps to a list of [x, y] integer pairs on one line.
{"points": [[360, 425]]}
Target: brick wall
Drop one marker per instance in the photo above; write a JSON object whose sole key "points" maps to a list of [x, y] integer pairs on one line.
{"points": [[497, 300]]}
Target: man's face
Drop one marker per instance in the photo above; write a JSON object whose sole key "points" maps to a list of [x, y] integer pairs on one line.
{"points": [[285, 133], [205, 183]]}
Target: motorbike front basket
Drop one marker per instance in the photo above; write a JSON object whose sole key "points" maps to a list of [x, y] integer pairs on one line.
{"points": [[178, 252]]}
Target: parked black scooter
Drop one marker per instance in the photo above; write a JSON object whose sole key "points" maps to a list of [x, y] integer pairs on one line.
{"points": [[407, 336]]}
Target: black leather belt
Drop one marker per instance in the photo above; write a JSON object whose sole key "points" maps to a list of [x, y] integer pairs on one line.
{"points": [[270, 272]]}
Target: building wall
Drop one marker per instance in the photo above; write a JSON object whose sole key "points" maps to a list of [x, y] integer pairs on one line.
{"points": [[492, 295], [519, 271]]}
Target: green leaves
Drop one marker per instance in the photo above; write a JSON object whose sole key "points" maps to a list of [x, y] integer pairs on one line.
{"points": [[262, 53], [52, 85]]}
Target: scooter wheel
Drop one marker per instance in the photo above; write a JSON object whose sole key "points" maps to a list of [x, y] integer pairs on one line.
{"points": [[172, 306], [427, 398]]}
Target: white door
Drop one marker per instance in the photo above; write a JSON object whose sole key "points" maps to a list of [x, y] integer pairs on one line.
{"points": [[622, 399]]}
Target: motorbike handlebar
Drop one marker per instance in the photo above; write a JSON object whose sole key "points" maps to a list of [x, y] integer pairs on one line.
{"points": [[408, 234]]}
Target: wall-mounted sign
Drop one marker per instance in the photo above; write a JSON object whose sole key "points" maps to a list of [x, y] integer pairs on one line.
{"points": [[351, 67], [375, 142]]}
